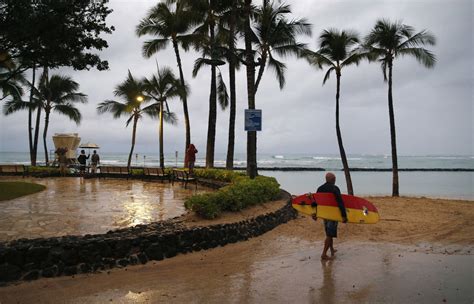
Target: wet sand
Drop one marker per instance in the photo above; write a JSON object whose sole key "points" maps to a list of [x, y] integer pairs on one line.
{"points": [[425, 256]]}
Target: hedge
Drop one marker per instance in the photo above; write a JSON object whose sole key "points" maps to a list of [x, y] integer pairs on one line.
{"points": [[218, 174], [242, 193]]}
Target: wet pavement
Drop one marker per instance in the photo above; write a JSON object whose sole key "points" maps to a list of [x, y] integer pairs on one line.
{"points": [[270, 269], [75, 206]]}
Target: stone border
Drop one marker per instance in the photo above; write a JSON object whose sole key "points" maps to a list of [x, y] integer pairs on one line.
{"points": [[30, 259]]}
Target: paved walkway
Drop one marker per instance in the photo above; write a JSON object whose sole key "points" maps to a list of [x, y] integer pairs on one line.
{"points": [[71, 206]]}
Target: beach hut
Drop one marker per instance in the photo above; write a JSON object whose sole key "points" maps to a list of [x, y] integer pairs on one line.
{"points": [[67, 140]]}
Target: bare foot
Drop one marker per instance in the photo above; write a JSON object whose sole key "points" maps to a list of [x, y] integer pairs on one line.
{"points": [[333, 252], [326, 257]]}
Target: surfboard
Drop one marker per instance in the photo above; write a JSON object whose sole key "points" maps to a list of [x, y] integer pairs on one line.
{"points": [[324, 205]]}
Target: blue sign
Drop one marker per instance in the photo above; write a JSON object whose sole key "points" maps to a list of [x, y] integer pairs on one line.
{"points": [[253, 120]]}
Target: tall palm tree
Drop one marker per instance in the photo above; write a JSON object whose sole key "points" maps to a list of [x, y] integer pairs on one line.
{"points": [[132, 98], [170, 22], [387, 41], [338, 49], [250, 67], [231, 19], [58, 94], [162, 87], [212, 56], [275, 34], [210, 12]]}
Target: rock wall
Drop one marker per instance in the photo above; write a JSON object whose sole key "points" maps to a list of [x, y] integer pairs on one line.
{"points": [[29, 259]]}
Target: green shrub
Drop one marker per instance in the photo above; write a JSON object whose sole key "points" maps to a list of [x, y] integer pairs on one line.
{"points": [[205, 205], [37, 169], [136, 171], [218, 174], [242, 193]]}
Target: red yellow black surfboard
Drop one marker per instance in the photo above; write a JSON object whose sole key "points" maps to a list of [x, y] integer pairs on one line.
{"points": [[324, 205]]}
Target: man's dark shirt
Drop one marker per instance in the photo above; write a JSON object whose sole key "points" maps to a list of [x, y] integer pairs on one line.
{"points": [[82, 159], [330, 188]]}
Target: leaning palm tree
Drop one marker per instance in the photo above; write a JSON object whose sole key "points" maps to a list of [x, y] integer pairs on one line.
{"points": [[58, 94], [275, 34], [386, 42], [338, 49], [131, 93], [170, 22], [162, 87]]}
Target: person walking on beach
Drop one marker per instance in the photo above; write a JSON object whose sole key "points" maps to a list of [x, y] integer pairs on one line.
{"points": [[95, 159], [82, 159], [190, 157], [330, 227]]}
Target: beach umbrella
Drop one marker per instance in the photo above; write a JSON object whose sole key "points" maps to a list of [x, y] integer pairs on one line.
{"points": [[89, 145]]}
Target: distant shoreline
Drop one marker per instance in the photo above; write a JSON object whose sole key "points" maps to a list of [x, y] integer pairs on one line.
{"points": [[355, 169]]}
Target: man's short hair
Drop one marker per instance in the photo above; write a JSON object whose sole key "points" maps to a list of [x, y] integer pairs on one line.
{"points": [[330, 178]]}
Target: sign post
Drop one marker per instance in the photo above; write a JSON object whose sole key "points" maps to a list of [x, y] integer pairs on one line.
{"points": [[253, 120]]}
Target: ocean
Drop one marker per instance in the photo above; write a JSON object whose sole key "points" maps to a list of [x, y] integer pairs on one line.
{"points": [[446, 184]]}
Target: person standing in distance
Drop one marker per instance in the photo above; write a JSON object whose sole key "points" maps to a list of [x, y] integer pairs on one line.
{"points": [[82, 159], [190, 157], [95, 160], [330, 227]]}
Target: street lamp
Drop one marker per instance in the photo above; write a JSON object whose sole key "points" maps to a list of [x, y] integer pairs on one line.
{"points": [[139, 98]]}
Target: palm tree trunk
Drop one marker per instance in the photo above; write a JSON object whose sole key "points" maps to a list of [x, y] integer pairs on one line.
{"points": [[162, 155], [345, 165], [261, 69], [231, 143], [135, 120], [45, 134], [395, 188], [211, 129], [38, 117], [185, 100], [30, 114], [251, 135], [35, 142]]}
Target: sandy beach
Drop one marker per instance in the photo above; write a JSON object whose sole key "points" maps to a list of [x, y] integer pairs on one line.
{"points": [[421, 251]]}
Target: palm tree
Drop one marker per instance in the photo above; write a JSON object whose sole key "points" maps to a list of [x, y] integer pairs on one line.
{"points": [[212, 56], [161, 88], [170, 22], [250, 67], [386, 42], [131, 93], [210, 12], [231, 18], [58, 94], [338, 49], [275, 34]]}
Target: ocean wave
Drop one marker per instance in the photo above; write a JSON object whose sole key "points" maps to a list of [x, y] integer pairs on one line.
{"points": [[278, 156]]}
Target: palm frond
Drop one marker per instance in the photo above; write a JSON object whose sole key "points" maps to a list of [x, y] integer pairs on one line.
{"points": [[16, 105], [151, 47], [70, 111], [279, 69], [116, 108], [222, 94], [328, 74], [425, 57]]}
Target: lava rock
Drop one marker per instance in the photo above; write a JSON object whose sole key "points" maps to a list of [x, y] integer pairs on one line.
{"points": [[9, 272]]}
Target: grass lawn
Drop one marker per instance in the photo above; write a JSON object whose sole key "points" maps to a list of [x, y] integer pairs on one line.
{"points": [[11, 190]]}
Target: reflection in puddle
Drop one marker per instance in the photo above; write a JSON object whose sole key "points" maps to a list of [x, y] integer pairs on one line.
{"points": [[71, 206]]}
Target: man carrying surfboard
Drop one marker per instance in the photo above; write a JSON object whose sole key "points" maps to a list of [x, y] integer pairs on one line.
{"points": [[330, 227]]}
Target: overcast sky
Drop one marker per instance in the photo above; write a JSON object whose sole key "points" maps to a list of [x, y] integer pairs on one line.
{"points": [[433, 107]]}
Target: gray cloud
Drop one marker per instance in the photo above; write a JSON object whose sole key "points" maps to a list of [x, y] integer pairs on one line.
{"points": [[433, 106]]}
